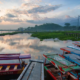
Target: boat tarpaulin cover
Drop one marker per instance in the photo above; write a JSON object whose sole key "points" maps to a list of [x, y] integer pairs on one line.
{"points": [[14, 56]]}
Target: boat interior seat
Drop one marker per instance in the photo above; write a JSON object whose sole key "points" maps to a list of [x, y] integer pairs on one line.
{"points": [[7, 68], [15, 67], [1, 67]]}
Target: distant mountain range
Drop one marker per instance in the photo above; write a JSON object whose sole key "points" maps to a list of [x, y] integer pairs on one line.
{"points": [[50, 27]]}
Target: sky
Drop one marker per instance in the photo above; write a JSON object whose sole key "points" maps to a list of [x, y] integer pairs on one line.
{"points": [[28, 13]]}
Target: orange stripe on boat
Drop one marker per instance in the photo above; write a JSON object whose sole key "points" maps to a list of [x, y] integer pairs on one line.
{"points": [[7, 68], [15, 67], [1, 67]]}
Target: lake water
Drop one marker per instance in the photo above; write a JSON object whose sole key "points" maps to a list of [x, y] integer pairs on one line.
{"points": [[24, 43]]}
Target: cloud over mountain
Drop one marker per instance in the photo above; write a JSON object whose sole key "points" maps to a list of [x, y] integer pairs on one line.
{"points": [[44, 9], [71, 20], [10, 15]]}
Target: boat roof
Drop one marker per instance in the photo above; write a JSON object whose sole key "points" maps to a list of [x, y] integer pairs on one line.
{"points": [[78, 43], [72, 57], [61, 63], [71, 50], [14, 56]]}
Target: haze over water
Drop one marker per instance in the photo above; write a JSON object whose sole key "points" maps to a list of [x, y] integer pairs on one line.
{"points": [[24, 43]]}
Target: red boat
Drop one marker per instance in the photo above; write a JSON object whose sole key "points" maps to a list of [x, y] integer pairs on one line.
{"points": [[13, 68], [60, 69], [77, 44]]}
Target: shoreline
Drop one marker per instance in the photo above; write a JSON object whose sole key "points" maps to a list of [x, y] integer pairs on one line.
{"points": [[61, 35]]}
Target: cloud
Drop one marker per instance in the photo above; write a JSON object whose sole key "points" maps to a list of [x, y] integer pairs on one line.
{"points": [[0, 2], [44, 20], [18, 11], [10, 19], [77, 7], [44, 9], [10, 15], [67, 16], [71, 20], [29, 6], [13, 20], [32, 1]]}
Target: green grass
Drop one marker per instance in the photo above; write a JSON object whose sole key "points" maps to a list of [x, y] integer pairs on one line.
{"points": [[47, 35], [60, 35], [3, 34]]}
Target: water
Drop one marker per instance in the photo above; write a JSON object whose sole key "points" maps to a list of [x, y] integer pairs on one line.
{"points": [[24, 43], [1, 32]]}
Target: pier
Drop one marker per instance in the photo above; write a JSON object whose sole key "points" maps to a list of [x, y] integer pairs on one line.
{"points": [[33, 71]]}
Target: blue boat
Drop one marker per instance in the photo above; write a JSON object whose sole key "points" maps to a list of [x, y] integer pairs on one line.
{"points": [[68, 50], [73, 58], [74, 47]]}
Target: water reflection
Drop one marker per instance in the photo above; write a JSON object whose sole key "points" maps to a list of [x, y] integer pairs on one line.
{"points": [[24, 43]]}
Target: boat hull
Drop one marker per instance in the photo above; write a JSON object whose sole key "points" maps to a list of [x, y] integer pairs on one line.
{"points": [[11, 70]]}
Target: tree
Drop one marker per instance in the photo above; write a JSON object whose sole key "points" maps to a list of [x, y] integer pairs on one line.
{"points": [[67, 24], [78, 28]]}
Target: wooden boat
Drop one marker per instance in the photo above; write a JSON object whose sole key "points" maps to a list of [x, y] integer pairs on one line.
{"points": [[74, 47], [68, 50], [13, 68], [64, 69], [71, 57], [77, 44]]}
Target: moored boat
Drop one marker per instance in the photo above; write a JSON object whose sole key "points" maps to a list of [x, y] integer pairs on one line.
{"points": [[64, 69], [13, 68], [72, 54], [77, 44], [67, 50]]}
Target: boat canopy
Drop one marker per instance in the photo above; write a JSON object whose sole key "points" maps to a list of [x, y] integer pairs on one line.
{"points": [[73, 58], [74, 47], [78, 43], [61, 63], [71, 50], [14, 56]]}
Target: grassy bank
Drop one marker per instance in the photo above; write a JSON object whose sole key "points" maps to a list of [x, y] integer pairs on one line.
{"points": [[62, 35], [3, 34], [12, 33]]}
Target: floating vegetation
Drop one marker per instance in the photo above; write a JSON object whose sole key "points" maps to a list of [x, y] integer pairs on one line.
{"points": [[61, 35]]}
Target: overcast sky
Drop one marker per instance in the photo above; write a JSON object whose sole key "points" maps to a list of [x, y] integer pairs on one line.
{"points": [[25, 13]]}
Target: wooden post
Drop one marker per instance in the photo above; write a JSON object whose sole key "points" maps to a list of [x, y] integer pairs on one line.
{"points": [[63, 52], [45, 62], [77, 75]]}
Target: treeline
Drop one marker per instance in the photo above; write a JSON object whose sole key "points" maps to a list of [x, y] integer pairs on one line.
{"points": [[51, 27]]}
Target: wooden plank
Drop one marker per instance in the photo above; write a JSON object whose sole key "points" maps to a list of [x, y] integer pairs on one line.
{"points": [[28, 72], [36, 73], [24, 71], [1, 67], [7, 68], [42, 72], [15, 67], [39, 61]]}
